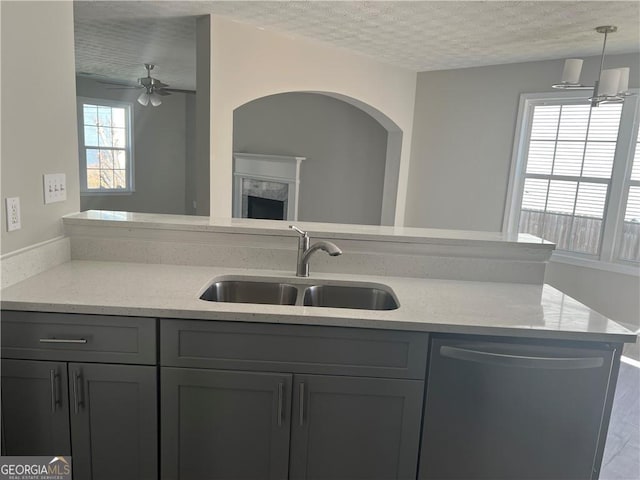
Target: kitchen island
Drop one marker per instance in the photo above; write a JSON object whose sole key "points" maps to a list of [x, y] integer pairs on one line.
{"points": [[462, 375]]}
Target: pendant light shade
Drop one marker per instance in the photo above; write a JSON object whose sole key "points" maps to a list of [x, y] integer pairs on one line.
{"points": [[623, 86], [609, 81], [571, 71]]}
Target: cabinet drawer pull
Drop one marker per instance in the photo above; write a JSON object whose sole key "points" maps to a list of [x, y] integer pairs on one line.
{"points": [[301, 404], [53, 377], [76, 392], [63, 340], [280, 403]]}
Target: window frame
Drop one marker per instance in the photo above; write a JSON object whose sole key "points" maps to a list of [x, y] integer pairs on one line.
{"points": [[128, 106], [619, 183]]}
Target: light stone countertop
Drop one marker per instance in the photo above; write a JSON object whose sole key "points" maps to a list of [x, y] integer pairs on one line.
{"points": [[379, 233], [430, 305]]}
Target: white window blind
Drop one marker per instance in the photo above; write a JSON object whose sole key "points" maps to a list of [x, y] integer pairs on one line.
{"points": [[569, 162], [576, 178], [630, 242]]}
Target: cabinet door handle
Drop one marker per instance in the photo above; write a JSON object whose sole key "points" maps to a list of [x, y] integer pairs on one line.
{"points": [[301, 404], [63, 340], [53, 376], [522, 361], [76, 392], [280, 403]]}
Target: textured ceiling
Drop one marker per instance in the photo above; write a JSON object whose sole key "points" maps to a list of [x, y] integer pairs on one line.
{"points": [[115, 38]]}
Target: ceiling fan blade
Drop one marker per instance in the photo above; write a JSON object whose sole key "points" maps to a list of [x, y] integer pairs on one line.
{"points": [[127, 87], [119, 84], [178, 90], [161, 91]]}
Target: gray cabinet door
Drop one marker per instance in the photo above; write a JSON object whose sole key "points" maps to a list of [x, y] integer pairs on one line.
{"points": [[113, 411], [355, 428], [35, 411], [224, 424]]}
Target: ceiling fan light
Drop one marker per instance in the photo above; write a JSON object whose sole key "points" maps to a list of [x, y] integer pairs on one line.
{"points": [[155, 99], [571, 71], [143, 99]]}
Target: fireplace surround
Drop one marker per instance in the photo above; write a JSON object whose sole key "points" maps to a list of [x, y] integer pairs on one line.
{"points": [[266, 186]]}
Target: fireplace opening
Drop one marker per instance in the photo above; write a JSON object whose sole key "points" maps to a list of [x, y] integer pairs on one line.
{"points": [[265, 208]]}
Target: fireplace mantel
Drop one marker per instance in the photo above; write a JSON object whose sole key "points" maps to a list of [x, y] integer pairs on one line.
{"points": [[273, 177]]}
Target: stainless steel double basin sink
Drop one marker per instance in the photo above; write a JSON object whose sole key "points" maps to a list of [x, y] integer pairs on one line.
{"points": [[362, 296]]}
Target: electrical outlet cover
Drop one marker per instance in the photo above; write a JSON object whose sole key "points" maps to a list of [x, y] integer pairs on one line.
{"points": [[13, 213]]}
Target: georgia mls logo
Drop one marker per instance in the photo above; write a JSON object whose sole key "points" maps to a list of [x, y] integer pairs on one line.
{"points": [[35, 468], [59, 465]]}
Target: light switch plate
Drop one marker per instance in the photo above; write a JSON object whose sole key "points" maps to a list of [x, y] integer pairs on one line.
{"points": [[55, 187], [13, 213]]}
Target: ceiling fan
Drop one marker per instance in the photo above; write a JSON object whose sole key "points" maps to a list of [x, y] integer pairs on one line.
{"points": [[153, 88]]}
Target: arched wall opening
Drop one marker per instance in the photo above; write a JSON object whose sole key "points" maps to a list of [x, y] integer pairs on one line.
{"points": [[249, 63], [352, 150]]}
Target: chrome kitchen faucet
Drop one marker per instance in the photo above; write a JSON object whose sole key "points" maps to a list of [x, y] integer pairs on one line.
{"points": [[305, 251]]}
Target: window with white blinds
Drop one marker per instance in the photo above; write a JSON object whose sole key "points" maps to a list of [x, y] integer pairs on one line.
{"points": [[571, 160], [568, 171], [630, 241]]}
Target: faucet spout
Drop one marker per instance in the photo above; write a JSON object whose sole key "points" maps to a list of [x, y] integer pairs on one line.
{"points": [[331, 248], [305, 251]]}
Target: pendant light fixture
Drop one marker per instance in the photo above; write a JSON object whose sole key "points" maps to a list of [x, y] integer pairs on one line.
{"points": [[612, 85]]}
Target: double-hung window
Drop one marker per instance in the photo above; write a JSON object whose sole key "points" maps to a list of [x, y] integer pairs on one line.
{"points": [[104, 135], [575, 181]]}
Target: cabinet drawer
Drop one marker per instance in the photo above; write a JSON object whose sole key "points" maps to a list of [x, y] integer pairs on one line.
{"points": [[293, 348], [75, 337]]}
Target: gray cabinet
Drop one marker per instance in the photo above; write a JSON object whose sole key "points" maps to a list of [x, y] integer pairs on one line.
{"points": [[113, 421], [35, 408], [102, 414], [265, 401], [355, 428], [224, 424]]}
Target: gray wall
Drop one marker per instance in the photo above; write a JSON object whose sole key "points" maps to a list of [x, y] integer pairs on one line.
{"points": [[190, 187], [38, 136], [160, 152], [463, 136], [461, 155], [201, 167], [342, 179]]}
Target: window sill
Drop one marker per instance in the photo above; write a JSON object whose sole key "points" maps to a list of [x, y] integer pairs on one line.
{"points": [[622, 268], [107, 194]]}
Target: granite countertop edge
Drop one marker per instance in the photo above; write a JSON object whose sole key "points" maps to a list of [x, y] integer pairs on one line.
{"points": [[426, 305]]}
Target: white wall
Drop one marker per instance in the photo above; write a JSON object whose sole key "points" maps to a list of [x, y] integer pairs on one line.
{"points": [[38, 115], [342, 179], [160, 152], [461, 154], [249, 63]]}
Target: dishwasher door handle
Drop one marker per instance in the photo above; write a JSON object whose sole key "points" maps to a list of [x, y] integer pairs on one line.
{"points": [[521, 361]]}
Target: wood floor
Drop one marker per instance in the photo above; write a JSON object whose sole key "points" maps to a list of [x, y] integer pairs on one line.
{"points": [[622, 451]]}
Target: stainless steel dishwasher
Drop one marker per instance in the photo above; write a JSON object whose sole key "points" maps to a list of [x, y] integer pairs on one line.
{"points": [[508, 409]]}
